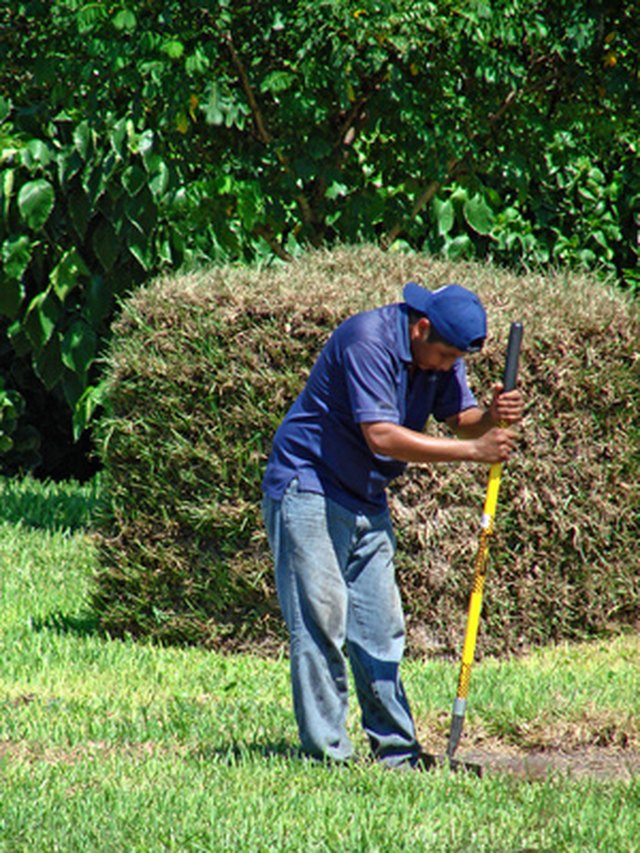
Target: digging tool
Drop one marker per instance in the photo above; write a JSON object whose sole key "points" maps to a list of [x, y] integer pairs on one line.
{"points": [[475, 600]]}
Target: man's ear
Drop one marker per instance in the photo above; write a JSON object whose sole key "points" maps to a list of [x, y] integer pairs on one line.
{"points": [[424, 327], [419, 331]]}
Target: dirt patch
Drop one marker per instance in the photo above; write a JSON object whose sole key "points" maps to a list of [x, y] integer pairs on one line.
{"points": [[593, 762], [589, 762], [36, 752]]}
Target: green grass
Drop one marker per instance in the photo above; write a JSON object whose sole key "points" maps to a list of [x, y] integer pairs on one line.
{"points": [[111, 745]]}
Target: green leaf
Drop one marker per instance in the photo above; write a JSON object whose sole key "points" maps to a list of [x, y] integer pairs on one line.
{"points": [[16, 254], [141, 252], [82, 139], [235, 115], [91, 398], [79, 347], [141, 211], [89, 16], [40, 320], [98, 302], [133, 179], [277, 81], [106, 244], [159, 180], [445, 215], [248, 207], [336, 190], [18, 337], [5, 108], [460, 247], [48, 363], [125, 20], [67, 272], [35, 202], [537, 25], [145, 144], [213, 107], [118, 137], [80, 211], [197, 63], [12, 402], [6, 191], [69, 164], [400, 246], [478, 214], [73, 386], [173, 48], [11, 296], [35, 154], [8, 425], [163, 251]]}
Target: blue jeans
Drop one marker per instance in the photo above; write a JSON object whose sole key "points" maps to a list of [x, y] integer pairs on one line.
{"points": [[336, 586]]}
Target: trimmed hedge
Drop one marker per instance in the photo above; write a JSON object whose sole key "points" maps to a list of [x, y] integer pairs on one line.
{"points": [[201, 369]]}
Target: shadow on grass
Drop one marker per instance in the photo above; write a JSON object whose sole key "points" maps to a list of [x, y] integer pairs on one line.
{"points": [[235, 754], [83, 625], [50, 506], [238, 753]]}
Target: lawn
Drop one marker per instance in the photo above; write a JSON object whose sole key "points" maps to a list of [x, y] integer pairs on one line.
{"points": [[115, 745]]}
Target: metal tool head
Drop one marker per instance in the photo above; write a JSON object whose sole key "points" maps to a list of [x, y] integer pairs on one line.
{"points": [[428, 761]]}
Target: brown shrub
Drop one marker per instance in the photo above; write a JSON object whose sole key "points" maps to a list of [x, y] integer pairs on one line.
{"points": [[201, 369]]}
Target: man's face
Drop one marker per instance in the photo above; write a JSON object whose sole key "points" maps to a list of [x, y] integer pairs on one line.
{"points": [[431, 356]]}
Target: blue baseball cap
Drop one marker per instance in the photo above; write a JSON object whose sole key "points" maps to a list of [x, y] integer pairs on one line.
{"points": [[456, 313]]}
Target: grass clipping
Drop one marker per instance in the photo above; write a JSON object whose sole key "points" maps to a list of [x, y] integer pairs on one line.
{"points": [[203, 367]]}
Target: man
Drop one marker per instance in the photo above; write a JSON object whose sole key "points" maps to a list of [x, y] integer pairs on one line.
{"points": [[353, 428]]}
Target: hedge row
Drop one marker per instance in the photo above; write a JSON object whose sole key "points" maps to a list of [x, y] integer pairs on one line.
{"points": [[200, 372]]}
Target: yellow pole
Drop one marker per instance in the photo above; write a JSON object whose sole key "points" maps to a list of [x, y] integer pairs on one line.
{"points": [[480, 562], [480, 569]]}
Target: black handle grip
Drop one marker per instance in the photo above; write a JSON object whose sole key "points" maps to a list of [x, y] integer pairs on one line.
{"points": [[513, 355]]}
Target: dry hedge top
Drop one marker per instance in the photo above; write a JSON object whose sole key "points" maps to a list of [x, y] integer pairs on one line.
{"points": [[201, 369]]}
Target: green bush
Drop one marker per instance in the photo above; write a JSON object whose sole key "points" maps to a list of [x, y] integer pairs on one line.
{"points": [[202, 368], [79, 227], [471, 128]]}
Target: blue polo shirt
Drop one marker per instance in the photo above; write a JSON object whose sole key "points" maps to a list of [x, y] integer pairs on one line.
{"points": [[361, 376]]}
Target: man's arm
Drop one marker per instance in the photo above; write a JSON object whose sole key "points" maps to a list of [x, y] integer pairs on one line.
{"points": [[506, 408], [407, 445], [482, 434]]}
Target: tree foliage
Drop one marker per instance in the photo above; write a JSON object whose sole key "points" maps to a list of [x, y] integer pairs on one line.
{"points": [[142, 136]]}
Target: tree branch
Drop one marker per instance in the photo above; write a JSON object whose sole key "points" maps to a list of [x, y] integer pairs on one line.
{"points": [[454, 164], [356, 116], [261, 127], [423, 199], [267, 235], [265, 136]]}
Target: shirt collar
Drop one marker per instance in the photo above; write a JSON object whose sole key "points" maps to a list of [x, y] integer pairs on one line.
{"points": [[402, 320]]}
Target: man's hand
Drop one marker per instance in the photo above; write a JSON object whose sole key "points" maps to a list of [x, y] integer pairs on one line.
{"points": [[494, 446], [506, 409], [506, 406]]}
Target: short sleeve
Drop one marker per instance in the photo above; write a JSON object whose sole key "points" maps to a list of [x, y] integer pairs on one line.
{"points": [[371, 378], [453, 395]]}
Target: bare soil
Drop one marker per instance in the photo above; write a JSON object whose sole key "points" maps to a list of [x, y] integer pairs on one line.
{"points": [[601, 763], [596, 762]]}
